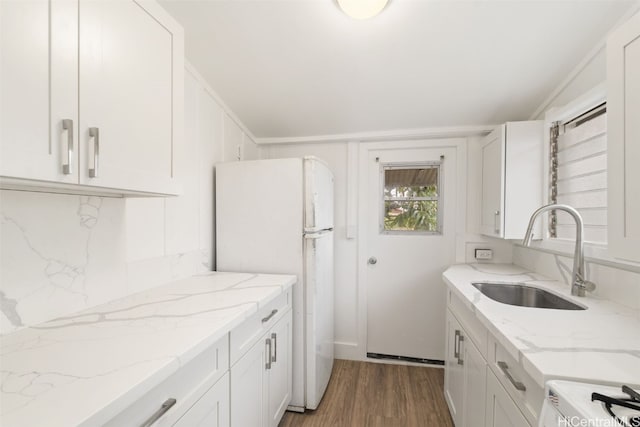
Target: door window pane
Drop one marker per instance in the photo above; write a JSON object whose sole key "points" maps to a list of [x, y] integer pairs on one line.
{"points": [[412, 198]]}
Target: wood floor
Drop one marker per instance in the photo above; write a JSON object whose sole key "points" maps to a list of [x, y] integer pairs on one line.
{"points": [[378, 395]]}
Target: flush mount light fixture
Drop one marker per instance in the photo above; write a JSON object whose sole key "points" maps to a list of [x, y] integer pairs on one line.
{"points": [[362, 9]]}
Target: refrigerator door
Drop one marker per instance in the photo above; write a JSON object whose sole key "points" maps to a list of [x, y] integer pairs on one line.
{"points": [[319, 314], [318, 189]]}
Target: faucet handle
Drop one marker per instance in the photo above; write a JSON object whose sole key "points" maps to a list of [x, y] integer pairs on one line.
{"points": [[588, 286]]}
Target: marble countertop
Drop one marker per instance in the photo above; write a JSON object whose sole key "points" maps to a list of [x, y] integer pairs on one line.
{"points": [[600, 344], [85, 368]]}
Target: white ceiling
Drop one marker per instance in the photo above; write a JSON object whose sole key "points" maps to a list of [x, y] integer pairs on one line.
{"points": [[301, 68]]}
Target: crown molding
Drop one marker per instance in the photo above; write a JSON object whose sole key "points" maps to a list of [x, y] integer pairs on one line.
{"points": [[390, 135]]}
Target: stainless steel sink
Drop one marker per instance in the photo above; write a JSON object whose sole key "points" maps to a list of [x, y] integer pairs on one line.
{"points": [[524, 296]]}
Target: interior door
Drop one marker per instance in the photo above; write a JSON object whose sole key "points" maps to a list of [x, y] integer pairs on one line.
{"points": [[410, 241]]}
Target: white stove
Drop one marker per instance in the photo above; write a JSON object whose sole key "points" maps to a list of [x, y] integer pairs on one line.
{"points": [[570, 404]]}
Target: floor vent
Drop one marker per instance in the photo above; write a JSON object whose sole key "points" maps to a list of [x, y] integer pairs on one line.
{"points": [[405, 359]]}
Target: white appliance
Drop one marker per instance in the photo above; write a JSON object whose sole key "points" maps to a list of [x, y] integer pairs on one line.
{"points": [[276, 216], [570, 404]]}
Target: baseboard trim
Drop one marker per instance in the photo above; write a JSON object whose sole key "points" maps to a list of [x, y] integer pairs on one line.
{"points": [[347, 351], [405, 359]]}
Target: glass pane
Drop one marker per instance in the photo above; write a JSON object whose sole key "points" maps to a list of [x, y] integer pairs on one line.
{"points": [[417, 182], [415, 215]]}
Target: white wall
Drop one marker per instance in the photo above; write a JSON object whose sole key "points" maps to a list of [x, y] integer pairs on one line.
{"points": [[63, 253], [346, 250], [614, 283], [590, 74], [619, 282]]}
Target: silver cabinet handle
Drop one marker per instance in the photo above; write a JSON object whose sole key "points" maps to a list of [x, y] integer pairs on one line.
{"points": [[160, 412], [67, 124], [274, 338], [496, 222], [372, 261], [95, 134], [505, 370], [268, 345], [273, 313], [460, 361], [456, 345]]}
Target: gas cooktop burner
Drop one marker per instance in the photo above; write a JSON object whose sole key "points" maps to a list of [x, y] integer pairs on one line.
{"points": [[626, 410]]}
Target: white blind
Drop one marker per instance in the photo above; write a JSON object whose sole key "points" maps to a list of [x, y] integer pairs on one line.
{"points": [[582, 178]]}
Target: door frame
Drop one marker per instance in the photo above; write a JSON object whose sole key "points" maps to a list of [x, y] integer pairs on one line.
{"points": [[460, 144]]}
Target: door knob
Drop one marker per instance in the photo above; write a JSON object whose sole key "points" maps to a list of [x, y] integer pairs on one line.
{"points": [[372, 260]]}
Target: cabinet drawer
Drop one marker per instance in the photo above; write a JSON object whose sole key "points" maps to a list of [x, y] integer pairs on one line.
{"points": [[524, 391], [246, 334], [475, 330], [186, 386]]}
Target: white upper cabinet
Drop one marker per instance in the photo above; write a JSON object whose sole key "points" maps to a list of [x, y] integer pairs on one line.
{"points": [[511, 178], [92, 96], [39, 90], [623, 139]]}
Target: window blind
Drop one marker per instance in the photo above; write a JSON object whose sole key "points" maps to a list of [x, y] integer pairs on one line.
{"points": [[582, 175]]}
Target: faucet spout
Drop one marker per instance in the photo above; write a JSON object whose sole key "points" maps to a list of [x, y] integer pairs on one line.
{"points": [[579, 284]]}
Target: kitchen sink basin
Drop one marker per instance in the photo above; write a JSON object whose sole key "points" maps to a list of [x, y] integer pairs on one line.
{"points": [[524, 296]]}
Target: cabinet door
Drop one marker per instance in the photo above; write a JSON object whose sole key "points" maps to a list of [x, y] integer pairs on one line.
{"points": [[249, 387], [493, 161], [475, 383], [131, 103], [211, 410], [501, 411], [623, 128], [38, 89], [280, 382], [453, 370]]}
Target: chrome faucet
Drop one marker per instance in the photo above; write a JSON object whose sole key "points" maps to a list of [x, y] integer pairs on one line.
{"points": [[579, 284]]}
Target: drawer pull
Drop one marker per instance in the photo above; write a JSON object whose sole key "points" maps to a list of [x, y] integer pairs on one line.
{"points": [[456, 345], [95, 134], [505, 369], [274, 338], [67, 124], [268, 345], [460, 361], [273, 313], [159, 413]]}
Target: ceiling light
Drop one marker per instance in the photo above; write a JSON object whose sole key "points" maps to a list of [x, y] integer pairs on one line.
{"points": [[362, 9]]}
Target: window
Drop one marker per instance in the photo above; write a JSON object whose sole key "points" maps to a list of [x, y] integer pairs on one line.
{"points": [[581, 175], [412, 198]]}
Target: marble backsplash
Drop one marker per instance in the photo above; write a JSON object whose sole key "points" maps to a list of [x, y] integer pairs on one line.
{"points": [[615, 284], [64, 253]]}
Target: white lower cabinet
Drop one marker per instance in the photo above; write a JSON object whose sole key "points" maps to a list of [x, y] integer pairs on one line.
{"points": [[211, 410], [475, 380], [244, 379], [465, 376], [501, 410], [261, 379], [249, 387], [473, 392], [183, 392], [453, 374]]}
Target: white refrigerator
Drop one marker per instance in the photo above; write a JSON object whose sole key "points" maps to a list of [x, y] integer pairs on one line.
{"points": [[276, 216]]}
